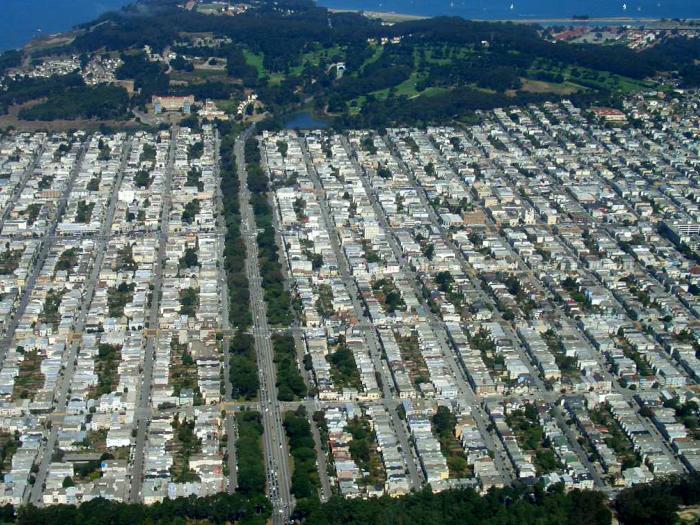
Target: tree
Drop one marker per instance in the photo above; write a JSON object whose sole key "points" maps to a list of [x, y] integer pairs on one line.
{"points": [[652, 504], [189, 259]]}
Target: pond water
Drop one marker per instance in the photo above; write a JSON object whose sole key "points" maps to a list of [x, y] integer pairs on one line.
{"points": [[304, 120]]}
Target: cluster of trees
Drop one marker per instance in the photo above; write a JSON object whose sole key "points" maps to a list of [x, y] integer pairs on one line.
{"points": [[243, 369], [9, 59], [234, 248], [305, 480], [191, 210], [497, 71], [524, 506], [238, 67], [657, 502], [276, 297], [189, 259], [459, 103], [363, 449], [212, 89], [389, 295], [222, 508], [118, 297], [23, 90], [189, 301], [180, 64], [616, 438], [108, 358], [98, 102], [290, 384], [251, 464], [189, 444], [394, 66], [343, 368], [149, 77], [444, 422], [526, 426]]}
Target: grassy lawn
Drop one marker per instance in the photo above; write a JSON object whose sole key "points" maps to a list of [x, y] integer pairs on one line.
{"points": [[407, 88], [229, 106], [312, 57], [210, 73], [276, 78], [540, 86], [199, 76], [335, 53], [255, 60], [588, 78], [433, 91], [448, 54], [378, 51]]}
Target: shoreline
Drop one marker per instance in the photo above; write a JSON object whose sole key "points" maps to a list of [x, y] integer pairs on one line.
{"points": [[391, 16], [387, 16]]}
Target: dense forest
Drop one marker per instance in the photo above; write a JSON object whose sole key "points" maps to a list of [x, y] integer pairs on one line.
{"points": [[8, 59], [149, 77], [427, 109], [459, 507], [98, 102], [220, 508], [23, 90], [657, 503]]}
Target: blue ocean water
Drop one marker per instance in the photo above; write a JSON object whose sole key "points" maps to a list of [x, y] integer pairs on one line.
{"points": [[528, 9], [22, 20]]}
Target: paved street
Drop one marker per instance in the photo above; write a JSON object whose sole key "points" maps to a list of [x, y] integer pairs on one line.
{"points": [[275, 447], [143, 418]]}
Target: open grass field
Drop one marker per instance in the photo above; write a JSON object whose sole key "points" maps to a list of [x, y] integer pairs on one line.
{"points": [[540, 86]]}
